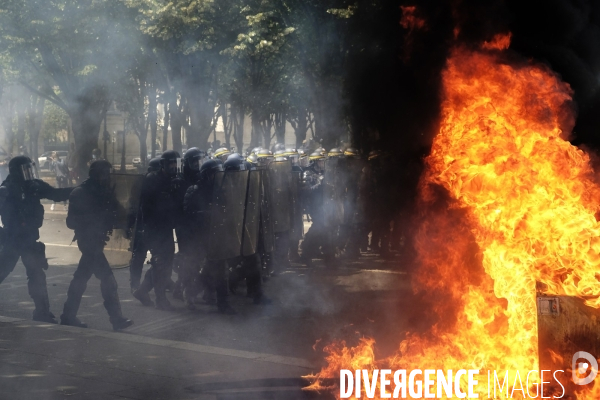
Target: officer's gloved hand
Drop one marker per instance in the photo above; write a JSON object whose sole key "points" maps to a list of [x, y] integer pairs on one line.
{"points": [[32, 188], [176, 184]]}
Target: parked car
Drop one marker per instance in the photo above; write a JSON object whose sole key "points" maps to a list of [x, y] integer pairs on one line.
{"points": [[44, 159], [137, 161]]}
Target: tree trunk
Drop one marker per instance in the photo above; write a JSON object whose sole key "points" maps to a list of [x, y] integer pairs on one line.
{"points": [[238, 117], [21, 108], [176, 118], [267, 124], [8, 114], [167, 121], [301, 128], [152, 116], [86, 119], [256, 133], [227, 124], [35, 114], [329, 121], [201, 116], [280, 127]]}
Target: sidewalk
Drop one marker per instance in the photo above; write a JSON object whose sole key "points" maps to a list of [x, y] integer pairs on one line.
{"points": [[45, 361]]}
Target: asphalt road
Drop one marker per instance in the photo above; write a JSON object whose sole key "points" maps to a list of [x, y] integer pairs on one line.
{"points": [[368, 297]]}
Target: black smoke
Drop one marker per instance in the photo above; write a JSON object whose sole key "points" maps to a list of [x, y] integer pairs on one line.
{"points": [[394, 83]]}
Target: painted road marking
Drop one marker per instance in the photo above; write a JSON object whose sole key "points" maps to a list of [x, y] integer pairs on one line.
{"points": [[173, 344]]}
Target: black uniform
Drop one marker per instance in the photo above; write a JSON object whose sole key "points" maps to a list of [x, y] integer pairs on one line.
{"points": [[139, 249], [159, 213], [22, 216], [197, 207], [318, 240], [92, 215], [184, 257]]}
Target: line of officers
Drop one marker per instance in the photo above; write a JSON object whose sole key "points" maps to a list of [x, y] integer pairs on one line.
{"points": [[234, 218], [242, 218]]}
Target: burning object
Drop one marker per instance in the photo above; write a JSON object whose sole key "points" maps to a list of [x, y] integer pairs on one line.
{"points": [[508, 209]]}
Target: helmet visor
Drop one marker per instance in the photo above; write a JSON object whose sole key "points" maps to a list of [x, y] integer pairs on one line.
{"points": [[172, 166], [29, 171], [194, 163]]}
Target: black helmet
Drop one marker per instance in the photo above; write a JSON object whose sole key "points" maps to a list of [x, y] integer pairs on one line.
{"points": [[192, 158], [169, 162], [235, 162], [22, 168], [154, 164], [209, 167], [100, 170]]}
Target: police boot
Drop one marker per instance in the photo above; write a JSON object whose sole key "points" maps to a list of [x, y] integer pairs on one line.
{"points": [[134, 284], [162, 303], [121, 323], [108, 287], [42, 310], [142, 292], [178, 291], [74, 321]]}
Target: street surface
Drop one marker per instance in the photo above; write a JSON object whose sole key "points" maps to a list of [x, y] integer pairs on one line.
{"points": [[310, 306]]}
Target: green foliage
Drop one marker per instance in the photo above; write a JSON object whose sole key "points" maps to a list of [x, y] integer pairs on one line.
{"points": [[262, 56], [56, 124]]}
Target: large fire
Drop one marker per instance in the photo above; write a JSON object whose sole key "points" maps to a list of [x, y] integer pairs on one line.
{"points": [[508, 208]]}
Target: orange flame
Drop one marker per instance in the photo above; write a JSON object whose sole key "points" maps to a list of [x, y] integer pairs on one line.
{"points": [[409, 19], [498, 42], [508, 202]]}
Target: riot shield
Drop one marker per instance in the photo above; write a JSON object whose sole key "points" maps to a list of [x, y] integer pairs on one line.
{"points": [[127, 189], [252, 214], [266, 223], [333, 209], [280, 177], [297, 225], [227, 215]]}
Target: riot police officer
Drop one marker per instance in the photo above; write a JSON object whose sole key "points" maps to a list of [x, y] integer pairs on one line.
{"points": [[139, 248], [198, 208], [280, 177], [192, 159], [317, 240], [22, 215], [159, 216], [278, 147], [92, 215], [222, 154], [297, 210], [248, 265], [353, 224]]}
